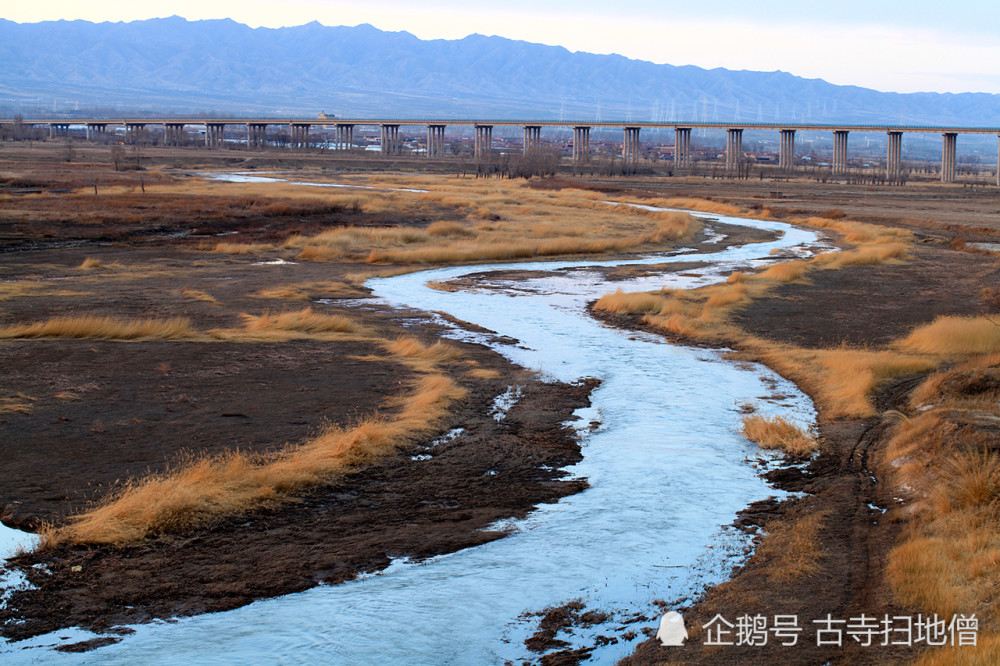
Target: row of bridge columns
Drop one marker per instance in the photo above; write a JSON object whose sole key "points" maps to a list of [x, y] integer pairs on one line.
{"points": [[483, 141], [532, 138], [786, 152], [581, 144], [256, 135], [435, 140], [630, 145], [949, 139], [734, 148], [133, 133], [839, 164], [344, 140], [173, 134], [96, 131], [893, 160], [58, 129], [214, 134], [390, 139], [299, 135], [682, 147]]}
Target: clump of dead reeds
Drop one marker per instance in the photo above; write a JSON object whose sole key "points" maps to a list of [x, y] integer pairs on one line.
{"points": [[302, 321], [203, 490], [779, 433], [199, 295], [955, 336], [310, 291], [90, 263], [791, 547], [102, 328]]}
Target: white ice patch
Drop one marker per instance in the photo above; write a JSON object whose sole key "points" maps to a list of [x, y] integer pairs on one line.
{"points": [[503, 402], [13, 541], [668, 431]]}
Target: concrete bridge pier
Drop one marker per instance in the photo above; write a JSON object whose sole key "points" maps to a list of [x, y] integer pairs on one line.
{"points": [[894, 162], [734, 148], [390, 139], [948, 157], [630, 146], [299, 135], [581, 144], [344, 137], [256, 135], [839, 151], [532, 138], [435, 140], [173, 134], [682, 147], [786, 153], [483, 145], [58, 129], [214, 133], [133, 133], [96, 131]]}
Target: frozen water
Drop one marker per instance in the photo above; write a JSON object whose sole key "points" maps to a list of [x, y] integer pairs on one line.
{"points": [[667, 472]]}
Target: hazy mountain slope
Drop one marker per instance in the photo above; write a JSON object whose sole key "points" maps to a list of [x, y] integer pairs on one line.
{"points": [[174, 64]]}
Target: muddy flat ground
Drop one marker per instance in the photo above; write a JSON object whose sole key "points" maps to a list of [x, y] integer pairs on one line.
{"points": [[82, 416]]}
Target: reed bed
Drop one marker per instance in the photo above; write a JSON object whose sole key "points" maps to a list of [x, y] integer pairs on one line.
{"points": [[780, 434], [203, 490], [97, 327]]}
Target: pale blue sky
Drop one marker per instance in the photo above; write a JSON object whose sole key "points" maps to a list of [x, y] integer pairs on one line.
{"points": [[896, 45]]}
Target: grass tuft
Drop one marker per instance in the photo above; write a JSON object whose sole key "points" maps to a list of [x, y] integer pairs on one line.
{"points": [[102, 328], [955, 335], [779, 433]]}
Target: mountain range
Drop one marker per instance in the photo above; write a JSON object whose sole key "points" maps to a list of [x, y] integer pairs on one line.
{"points": [[221, 66]]}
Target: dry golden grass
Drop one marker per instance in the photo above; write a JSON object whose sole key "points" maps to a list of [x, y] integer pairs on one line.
{"points": [[483, 373], [445, 228], [868, 255], [22, 288], [17, 404], [102, 328], [792, 548], [240, 248], [90, 263], [779, 433], [535, 223], [839, 380], [305, 321], [985, 653], [421, 356], [305, 291], [786, 271], [203, 490], [299, 324], [955, 336], [199, 295]]}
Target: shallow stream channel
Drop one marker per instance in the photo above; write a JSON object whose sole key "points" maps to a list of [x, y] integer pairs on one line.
{"points": [[668, 472]]}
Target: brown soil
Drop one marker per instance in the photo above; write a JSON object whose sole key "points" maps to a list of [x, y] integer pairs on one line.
{"points": [[873, 305], [861, 305], [139, 406]]}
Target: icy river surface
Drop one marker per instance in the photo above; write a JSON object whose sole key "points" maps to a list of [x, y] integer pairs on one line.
{"points": [[668, 471]]}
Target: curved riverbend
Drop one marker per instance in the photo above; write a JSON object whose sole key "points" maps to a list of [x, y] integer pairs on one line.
{"points": [[668, 469]]}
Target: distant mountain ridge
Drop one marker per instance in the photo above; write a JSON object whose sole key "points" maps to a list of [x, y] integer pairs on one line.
{"points": [[173, 64]]}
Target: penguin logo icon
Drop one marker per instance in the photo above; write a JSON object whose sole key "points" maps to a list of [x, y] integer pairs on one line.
{"points": [[672, 631]]}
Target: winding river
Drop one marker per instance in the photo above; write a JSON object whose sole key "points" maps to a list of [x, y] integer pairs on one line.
{"points": [[668, 471]]}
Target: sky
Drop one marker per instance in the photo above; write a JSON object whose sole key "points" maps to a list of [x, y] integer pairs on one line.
{"points": [[890, 45]]}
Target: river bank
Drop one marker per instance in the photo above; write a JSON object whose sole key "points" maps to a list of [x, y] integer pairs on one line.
{"points": [[86, 414], [836, 479]]}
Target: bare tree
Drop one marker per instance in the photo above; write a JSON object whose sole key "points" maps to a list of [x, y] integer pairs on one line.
{"points": [[117, 156]]}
